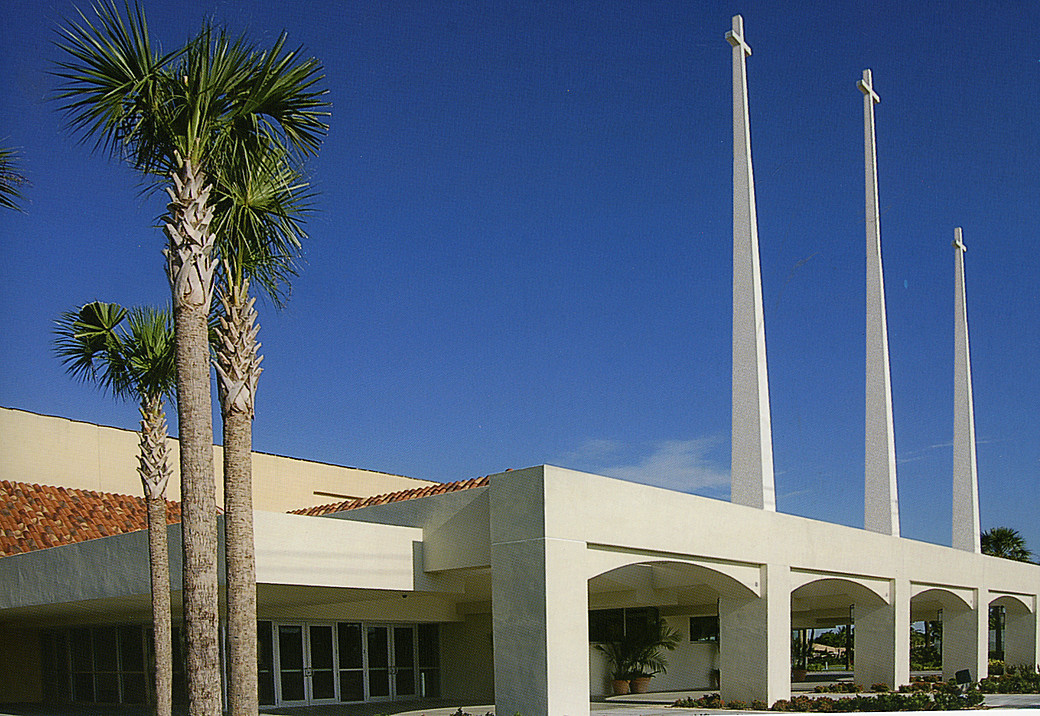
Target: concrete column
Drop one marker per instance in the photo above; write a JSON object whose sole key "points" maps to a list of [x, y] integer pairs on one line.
{"points": [[755, 641], [539, 604], [751, 481], [966, 527], [1021, 636], [965, 639], [882, 638], [881, 498]]}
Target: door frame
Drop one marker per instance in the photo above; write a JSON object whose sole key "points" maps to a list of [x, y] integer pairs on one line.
{"points": [[308, 684]]}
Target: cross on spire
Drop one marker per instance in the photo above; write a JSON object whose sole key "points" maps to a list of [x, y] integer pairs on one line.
{"points": [[736, 35], [958, 240], [866, 86]]}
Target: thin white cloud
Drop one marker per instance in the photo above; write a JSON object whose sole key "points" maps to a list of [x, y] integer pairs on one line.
{"points": [[683, 465]]}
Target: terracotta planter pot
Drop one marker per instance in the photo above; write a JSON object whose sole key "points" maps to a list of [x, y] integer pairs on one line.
{"points": [[640, 684], [619, 686]]}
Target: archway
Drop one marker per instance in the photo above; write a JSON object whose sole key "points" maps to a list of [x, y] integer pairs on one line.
{"points": [[1013, 630], [951, 630], [854, 606], [685, 595]]}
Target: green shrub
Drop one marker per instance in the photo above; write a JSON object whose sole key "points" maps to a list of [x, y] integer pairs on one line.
{"points": [[1016, 679], [879, 688]]}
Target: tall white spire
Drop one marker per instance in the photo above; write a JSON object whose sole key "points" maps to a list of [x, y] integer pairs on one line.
{"points": [[881, 499], [751, 481], [966, 524]]}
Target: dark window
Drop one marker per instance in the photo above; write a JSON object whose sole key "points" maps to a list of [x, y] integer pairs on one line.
{"points": [[105, 658], [131, 649], [351, 686], [429, 660], [616, 624], [351, 674], [704, 628], [82, 653], [265, 663]]}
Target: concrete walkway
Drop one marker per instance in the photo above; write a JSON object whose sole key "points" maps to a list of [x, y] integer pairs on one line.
{"points": [[655, 704]]}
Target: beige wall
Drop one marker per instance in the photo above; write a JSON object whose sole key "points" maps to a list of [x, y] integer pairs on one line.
{"points": [[47, 450]]}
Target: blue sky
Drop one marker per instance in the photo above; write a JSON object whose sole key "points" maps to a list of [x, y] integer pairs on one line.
{"points": [[522, 249]]}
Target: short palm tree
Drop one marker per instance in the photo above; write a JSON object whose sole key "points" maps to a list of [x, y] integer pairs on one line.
{"points": [[1005, 542], [11, 180], [257, 213], [179, 118], [134, 361]]}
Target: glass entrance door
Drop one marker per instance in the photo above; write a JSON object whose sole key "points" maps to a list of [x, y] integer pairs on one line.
{"points": [[377, 639], [391, 670], [291, 688], [306, 664], [321, 664]]}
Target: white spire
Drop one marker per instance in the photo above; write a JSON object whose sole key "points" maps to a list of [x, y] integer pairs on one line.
{"points": [[966, 524], [751, 481], [881, 499]]}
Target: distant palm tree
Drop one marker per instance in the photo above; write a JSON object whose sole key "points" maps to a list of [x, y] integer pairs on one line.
{"points": [[135, 362], [1005, 542], [181, 118], [11, 180], [257, 213]]}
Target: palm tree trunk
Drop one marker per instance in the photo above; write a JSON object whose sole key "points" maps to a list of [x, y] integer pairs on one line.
{"points": [[190, 270], [155, 473], [238, 368]]}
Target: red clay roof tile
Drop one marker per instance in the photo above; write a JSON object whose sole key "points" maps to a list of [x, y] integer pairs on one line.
{"points": [[39, 516], [414, 493]]}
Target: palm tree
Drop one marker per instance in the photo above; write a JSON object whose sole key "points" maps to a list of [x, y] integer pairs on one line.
{"points": [[1005, 542], [135, 363], [258, 208], [180, 117], [11, 180]]}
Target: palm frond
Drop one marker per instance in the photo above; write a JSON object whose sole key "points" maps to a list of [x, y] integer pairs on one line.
{"points": [[260, 203], [150, 352], [116, 87], [11, 179], [90, 348]]}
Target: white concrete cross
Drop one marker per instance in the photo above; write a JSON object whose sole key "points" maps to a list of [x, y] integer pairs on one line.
{"points": [[958, 240], [866, 86], [736, 35]]}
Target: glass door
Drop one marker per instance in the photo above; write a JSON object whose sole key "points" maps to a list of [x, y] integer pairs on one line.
{"points": [[403, 673], [291, 681], [391, 672], [320, 671], [306, 664], [377, 641]]}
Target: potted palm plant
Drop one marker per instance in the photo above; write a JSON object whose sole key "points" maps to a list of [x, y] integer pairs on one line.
{"points": [[648, 653], [619, 655]]}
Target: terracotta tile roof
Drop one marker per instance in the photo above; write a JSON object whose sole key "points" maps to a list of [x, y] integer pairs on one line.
{"points": [[39, 516], [438, 489]]}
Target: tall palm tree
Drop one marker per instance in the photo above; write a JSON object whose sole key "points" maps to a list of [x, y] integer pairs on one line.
{"points": [[258, 209], [179, 117], [1005, 542], [11, 180], [134, 363]]}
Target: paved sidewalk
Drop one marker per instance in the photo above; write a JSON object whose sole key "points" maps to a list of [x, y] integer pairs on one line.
{"points": [[654, 704]]}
